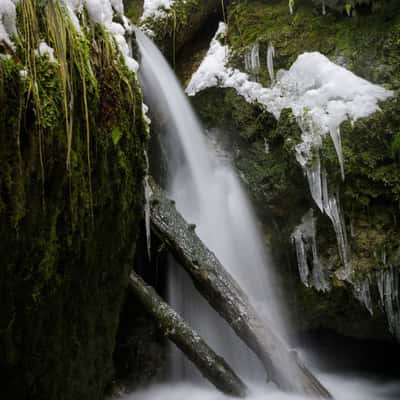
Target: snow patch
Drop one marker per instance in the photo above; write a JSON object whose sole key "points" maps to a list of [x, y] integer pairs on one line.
{"points": [[99, 11], [316, 89], [45, 50], [8, 15], [102, 12], [321, 95], [155, 8]]}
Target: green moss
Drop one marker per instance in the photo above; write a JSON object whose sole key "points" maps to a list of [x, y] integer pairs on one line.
{"points": [[369, 196], [179, 24], [133, 9], [70, 204], [369, 45], [370, 193], [336, 311]]}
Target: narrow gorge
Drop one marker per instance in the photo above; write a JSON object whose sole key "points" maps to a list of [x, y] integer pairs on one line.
{"points": [[200, 198]]}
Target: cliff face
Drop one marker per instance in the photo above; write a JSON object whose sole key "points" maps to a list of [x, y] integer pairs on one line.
{"points": [[72, 140], [342, 272]]}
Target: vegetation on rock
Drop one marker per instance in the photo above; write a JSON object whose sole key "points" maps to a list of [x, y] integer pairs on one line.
{"points": [[70, 199], [265, 150]]}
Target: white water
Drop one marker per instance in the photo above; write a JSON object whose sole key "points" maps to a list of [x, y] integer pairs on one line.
{"points": [[208, 193], [350, 387]]}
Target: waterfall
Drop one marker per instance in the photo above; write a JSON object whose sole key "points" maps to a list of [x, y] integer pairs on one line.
{"points": [[208, 193]]}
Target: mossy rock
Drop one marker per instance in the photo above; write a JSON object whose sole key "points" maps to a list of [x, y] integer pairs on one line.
{"points": [[70, 204], [368, 45], [133, 10]]}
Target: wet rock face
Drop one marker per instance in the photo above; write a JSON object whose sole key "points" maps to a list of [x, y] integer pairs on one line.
{"points": [[67, 229], [140, 351], [356, 303]]}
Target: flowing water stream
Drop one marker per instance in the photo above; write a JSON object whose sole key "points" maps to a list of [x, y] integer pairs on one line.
{"points": [[208, 193]]}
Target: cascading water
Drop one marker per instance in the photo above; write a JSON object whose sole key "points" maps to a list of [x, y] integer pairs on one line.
{"points": [[208, 193]]}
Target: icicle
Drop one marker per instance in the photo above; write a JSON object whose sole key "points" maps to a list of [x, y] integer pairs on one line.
{"points": [[352, 233], [304, 238], [362, 292], [247, 61], [301, 254], [147, 194], [331, 207], [337, 141], [323, 8], [384, 259], [252, 59], [380, 280], [348, 9], [266, 146], [313, 172], [255, 57], [270, 61], [388, 281], [291, 6], [308, 156]]}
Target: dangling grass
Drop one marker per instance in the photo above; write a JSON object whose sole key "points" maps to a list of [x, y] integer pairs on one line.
{"points": [[57, 30], [174, 39], [65, 96], [30, 29], [73, 54]]}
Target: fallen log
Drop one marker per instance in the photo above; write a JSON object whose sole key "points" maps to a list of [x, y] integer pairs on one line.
{"points": [[212, 367], [283, 366]]}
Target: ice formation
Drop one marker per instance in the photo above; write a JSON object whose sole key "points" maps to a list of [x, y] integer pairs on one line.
{"points": [[252, 60], [323, 7], [362, 292], [270, 61], [318, 91], [155, 8], [147, 195], [304, 239], [8, 17], [320, 94], [388, 281]]}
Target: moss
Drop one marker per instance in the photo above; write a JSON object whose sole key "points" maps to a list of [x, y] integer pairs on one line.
{"points": [[370, 192], [133, 9], [179, 24], [70, 204], [368, 45], [336, 311], [369, 197]]}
